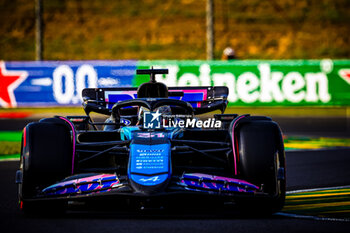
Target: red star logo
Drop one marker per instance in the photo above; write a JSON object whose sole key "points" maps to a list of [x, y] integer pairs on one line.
{"points": [[9, 81], [345, 74]]}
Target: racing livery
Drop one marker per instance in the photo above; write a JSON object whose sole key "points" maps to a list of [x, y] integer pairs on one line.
{"points": [[128, 159]]}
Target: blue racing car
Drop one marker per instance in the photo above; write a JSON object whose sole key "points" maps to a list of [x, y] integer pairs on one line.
{"points": [[157, 149]]}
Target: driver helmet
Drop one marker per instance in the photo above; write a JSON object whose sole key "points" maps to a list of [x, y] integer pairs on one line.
{"points": [[152, 90]]}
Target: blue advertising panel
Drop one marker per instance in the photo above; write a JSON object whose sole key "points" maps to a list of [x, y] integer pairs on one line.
{"points": [[52, 83]]}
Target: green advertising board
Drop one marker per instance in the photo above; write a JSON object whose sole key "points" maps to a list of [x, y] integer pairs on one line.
{"points": [[264, 83]]}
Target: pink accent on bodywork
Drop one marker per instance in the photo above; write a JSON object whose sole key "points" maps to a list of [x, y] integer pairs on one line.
{"points": [[204, 91], [73, 133], [86, 179], [220, 178], [24, 137], [233, 143], [130, 93]]}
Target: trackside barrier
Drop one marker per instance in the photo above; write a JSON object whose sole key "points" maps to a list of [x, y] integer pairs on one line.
{"points": [[251, 83]]}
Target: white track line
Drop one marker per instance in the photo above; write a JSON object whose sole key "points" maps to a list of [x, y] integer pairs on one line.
{"points": [[318, 149], [317, 189], [312, 217], [8, 160]]}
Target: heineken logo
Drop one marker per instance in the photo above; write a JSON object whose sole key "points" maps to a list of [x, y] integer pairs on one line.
{"points": [[264, 85]]}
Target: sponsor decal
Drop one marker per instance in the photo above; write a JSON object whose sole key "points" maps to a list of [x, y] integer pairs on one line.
{"points": [[54, 83], [9, 81], [149, 151], [149, 164], [150, 135], [264, 86], [125, 121], [153, 179]]}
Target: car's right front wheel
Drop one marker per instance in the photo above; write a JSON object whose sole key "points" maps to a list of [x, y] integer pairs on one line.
{"points": [[46, 157], [261, 161]]}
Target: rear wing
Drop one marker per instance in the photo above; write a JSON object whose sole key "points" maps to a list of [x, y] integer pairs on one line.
{"points": [[202, 99]]}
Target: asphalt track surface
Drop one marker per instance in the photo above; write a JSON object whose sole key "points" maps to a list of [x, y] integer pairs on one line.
{"points": [[305, 169]]}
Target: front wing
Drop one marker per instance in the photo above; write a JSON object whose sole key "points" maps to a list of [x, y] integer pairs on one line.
{"points": [[191, 184]]}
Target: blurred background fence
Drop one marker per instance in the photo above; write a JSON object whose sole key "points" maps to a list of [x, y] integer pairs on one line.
{"points": [[251, 83]]}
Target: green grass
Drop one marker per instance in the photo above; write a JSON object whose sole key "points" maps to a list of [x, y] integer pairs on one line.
{"points": [[10, 148], [10, 157], [10, 144], [10, 136]]}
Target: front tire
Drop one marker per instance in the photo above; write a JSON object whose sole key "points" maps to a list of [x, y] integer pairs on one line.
{"points": [[46, 157], [262, 162]]}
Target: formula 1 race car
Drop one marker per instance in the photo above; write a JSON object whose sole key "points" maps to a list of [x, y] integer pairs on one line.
{"points": [[154, 150]]}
